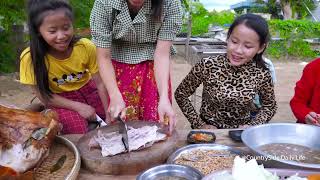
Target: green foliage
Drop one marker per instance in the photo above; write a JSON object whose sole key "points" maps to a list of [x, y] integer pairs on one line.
{"points": [[14, 12], [300, 28], [300, 7], [202, 19], [82, 10], [222, 18], [276, 49], [274, 8], [293, 33], [300, 48], [7, 55], [271, 7], [11, 12]]}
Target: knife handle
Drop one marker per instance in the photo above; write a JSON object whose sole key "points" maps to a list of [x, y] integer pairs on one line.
{"points": [[166, 120]]}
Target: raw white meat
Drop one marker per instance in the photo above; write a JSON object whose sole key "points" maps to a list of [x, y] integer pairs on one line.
{"points": [[111, 143]]}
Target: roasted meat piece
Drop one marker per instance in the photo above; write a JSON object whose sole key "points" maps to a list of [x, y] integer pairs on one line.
{"points": [[25, 137]]}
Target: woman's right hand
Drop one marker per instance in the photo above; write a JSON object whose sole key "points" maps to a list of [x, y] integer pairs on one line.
{"points": [[313, 119], [117, 106]]}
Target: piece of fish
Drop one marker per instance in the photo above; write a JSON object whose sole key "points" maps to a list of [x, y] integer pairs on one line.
{"points": [[111, 143]]}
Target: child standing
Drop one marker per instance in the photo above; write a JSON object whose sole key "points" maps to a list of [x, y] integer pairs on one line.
{"points": [[61, 68]]}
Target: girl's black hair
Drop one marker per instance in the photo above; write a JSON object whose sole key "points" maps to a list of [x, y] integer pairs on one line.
{"points": [[37, 11], [156, 8], [260, 26]]}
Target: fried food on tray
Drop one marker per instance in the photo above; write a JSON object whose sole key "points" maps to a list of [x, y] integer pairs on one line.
{"points": [[202, 137]]}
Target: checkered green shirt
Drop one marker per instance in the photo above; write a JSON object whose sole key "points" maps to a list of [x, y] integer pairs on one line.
{"points": [[133, 41]]}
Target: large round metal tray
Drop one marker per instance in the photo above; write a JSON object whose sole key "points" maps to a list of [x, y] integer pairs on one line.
{"points": [[292, 133], [192, 147], [70, 169], [281, 173], [170, 171]]}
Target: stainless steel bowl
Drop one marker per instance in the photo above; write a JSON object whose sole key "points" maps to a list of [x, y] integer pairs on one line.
{"points": [[170, 171], [292, 133]]}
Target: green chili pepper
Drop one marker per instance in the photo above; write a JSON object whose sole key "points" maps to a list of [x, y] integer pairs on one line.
{"points": [[58, 165]]}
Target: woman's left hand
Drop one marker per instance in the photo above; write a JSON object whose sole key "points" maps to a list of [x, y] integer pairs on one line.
{"points": [[108, 118], [166, 114]]}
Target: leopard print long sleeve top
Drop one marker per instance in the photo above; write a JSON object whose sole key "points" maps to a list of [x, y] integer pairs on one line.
{"points": [[228, 93]]}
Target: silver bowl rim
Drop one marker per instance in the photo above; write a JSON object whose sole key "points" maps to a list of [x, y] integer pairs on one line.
{"points": [[246, 132], [279, 172], [172, 167]]}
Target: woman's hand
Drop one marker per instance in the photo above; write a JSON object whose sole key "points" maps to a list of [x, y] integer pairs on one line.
{"points": [[313, 119], [117, 106], [166, 113], [108, 118], [208, 126], [86, 111]]}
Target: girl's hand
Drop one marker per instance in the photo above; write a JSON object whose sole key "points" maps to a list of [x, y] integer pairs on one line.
{"points": [[313, 119], [208, 126], [117, 106], [166, 114], [86, 111]]}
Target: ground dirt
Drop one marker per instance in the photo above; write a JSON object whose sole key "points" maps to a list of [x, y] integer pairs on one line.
{"points": [[287, 73]]}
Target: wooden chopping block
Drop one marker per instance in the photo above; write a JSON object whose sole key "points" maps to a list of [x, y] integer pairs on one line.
{"points": [[133, 162]]}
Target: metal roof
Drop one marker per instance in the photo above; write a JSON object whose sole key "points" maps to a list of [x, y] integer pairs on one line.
{"points": [[245, 4]]}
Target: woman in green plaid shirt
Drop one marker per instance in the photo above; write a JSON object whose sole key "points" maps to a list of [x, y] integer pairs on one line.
{"points": [[134, 44]]}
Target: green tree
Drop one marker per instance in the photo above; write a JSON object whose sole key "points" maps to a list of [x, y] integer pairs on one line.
{"points": [[271, 7], [11, 12], [82, 10], [292, 9]]}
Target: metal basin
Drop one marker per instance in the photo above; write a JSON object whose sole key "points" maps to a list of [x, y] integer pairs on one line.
{"points": [[291, 133], [170, 171]]}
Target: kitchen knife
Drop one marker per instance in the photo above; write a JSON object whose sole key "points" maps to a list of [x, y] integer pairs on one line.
{"points": [[123, 130]]}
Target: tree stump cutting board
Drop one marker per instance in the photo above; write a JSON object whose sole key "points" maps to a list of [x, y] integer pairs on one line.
{"points": [[133, 162]]}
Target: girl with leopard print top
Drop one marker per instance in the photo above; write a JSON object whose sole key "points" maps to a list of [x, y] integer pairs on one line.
{"points": [[231, 81]]}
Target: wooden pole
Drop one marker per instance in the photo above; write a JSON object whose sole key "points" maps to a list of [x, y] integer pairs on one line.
{"points": [[187, 45]]}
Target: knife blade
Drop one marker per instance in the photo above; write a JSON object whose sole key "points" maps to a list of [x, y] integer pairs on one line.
{"points": [[123, 130], [101, 121]]}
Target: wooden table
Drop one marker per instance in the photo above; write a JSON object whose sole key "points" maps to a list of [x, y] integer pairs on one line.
{"points": [[221, 138]]}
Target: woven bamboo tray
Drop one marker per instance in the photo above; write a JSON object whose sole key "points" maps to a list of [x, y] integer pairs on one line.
{"points": [[71, 166]]}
